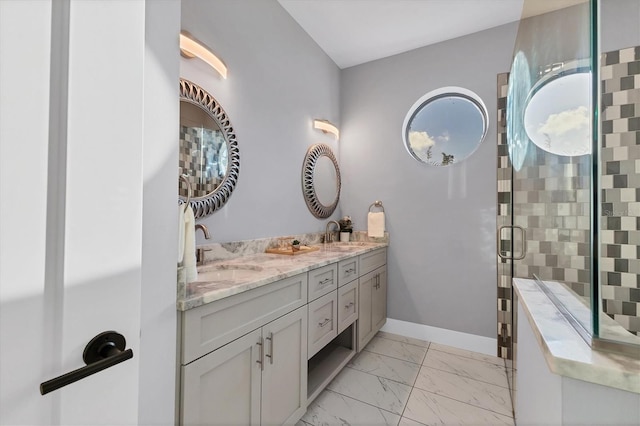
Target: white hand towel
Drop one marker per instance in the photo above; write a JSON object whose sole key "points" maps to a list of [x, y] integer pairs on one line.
{"points": [[180, 232], [376, 224], [189, 263]]}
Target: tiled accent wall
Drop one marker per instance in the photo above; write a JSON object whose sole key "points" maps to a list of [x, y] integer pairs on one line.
{"points": [[199, 159], [504, 218], [620, 163]]}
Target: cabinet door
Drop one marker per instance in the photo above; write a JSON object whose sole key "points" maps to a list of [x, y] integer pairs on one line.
{"points": [[366, 287], [284, 379], [379, 302], [347, 305], [223, 387]]}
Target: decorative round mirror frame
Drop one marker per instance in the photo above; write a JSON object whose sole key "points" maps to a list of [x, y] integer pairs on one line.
{"points": [[308, 189], [206, 205]]}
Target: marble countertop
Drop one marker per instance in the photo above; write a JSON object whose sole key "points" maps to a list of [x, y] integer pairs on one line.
{"points": [[566, 352], [257, 270]]}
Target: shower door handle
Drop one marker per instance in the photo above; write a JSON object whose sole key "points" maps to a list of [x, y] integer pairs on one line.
{"points": [[524, 243]]}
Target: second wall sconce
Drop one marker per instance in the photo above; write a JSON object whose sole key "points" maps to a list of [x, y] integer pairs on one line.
{"points": [[191, 48], [326, 127]]}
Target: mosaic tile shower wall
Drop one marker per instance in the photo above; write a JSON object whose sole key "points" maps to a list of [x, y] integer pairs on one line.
{"points": [[550, 196], [504, 219], [620, 181]]}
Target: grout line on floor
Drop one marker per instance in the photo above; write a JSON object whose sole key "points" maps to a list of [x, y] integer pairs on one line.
{"points": [[468, 357], [389, 356], [382, 377], [466, 377], [464, 402], [364, 402], [413, 386]]}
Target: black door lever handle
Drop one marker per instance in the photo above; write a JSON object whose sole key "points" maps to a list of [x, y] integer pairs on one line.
{"points": [[103, 351]]}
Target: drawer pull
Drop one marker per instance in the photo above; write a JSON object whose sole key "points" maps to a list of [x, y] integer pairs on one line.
{"points": [[326, 280], [350, 304], [270, 354], [261, 355], [350, 271], [325, 322]]}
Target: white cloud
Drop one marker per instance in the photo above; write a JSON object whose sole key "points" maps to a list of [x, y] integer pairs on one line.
{"points": [[444, 137], [565, 121], [420, 141]]}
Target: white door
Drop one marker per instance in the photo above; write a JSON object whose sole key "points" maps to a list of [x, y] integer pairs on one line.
{"points": [[70, 204]]}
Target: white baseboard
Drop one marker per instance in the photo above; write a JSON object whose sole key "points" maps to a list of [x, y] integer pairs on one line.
{"points": [[457, 339]]}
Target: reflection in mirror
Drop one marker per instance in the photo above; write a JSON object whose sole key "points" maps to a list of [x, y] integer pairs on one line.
{"points": [[517, 92], [321, 180], [557, 115], [203, 150], [325, 180], [445, 126], [209, 154]]}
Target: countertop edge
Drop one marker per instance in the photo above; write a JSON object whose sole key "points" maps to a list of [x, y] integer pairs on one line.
{"points": [[186, 304], [579, 361]]}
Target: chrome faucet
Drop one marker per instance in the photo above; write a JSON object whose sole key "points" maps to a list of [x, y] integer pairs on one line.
{"points": [[199, 250], [328, 237]]}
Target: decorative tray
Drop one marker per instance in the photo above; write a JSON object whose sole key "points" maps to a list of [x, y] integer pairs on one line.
{"points": [[289, 251]]}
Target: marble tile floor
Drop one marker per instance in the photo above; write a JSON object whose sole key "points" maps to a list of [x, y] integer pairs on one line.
{"points": [[402, 381]]}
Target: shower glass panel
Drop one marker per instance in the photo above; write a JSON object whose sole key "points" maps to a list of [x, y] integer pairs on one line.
{"points": [[549, 138], [572, 138], [619, 176]]}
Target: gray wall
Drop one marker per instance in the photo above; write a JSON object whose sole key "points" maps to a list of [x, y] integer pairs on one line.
{"points": [[619, 24], [279, 80], [442, 221]]}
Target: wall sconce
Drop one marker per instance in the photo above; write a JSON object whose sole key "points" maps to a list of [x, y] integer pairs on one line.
{"points": [[190, 48], [326, 127]]}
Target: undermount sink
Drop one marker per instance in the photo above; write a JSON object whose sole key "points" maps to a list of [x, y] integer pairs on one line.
{"points": [[227, 272]]}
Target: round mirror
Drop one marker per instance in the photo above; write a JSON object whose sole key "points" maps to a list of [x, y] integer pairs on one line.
{"points": [[209, 154], [321, 180], [445, 126]]}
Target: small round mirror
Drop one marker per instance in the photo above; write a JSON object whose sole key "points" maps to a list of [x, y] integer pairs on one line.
{"points": [[321, 180], [445, 126]]}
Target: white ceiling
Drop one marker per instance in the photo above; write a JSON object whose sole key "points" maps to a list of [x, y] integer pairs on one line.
{"points": [[353, 32]]}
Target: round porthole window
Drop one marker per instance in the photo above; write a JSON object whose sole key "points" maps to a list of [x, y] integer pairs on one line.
{"points": [[445, 126]]}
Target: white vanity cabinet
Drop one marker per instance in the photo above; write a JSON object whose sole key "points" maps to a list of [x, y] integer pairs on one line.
{"points": [[257, 378], [261, 356], [372, 295]]}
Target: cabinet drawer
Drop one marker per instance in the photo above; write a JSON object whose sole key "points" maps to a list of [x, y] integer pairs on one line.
{"points": [[347, 305], [323, 324], [347, 270], [322, 281], [211, 326], [372, 260]]}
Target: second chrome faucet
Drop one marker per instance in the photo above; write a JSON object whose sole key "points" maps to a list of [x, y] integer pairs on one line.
{"points": [[199, 250], [328, 236]]}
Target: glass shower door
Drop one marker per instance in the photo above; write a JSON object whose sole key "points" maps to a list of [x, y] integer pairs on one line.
{"points": [[545, 167]]}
